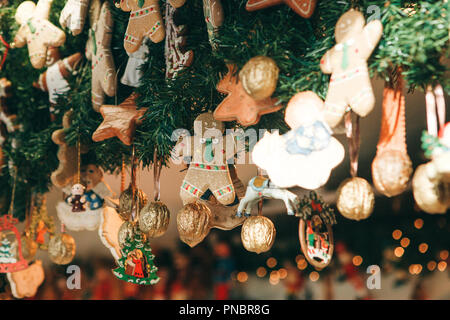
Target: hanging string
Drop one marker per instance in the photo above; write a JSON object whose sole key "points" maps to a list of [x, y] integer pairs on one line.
{"points": [[260, 203], [157, 167], [352, 133], [13, 194], [122, 175], [133, 184], [5, 54], [78, 158]]}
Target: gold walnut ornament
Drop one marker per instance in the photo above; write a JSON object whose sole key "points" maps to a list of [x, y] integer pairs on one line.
{"points": [[258, 234], [259, 77], [193, 223], [154, 219]]}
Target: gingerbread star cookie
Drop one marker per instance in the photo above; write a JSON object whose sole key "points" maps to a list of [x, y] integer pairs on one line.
{"points": [[304, 8], [239, 105], [119, 121]]}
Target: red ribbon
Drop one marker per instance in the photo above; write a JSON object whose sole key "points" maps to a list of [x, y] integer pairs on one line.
{"points": [[6, 44]]}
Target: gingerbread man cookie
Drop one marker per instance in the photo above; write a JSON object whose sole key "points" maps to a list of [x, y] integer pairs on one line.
{"points": [[208, 168], [103, 68], [73, 15], [36, 31], [304, 8], [347, 62]]}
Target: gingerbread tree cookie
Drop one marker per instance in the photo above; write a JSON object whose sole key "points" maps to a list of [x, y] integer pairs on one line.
{"points": [[239, 105], [73, 15], [36, 31], [347, 62], [99, 51]]}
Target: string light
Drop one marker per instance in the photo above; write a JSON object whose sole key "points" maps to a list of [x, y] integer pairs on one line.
{"points": [[274, 277], [271, 262], [302, 264], [418, 223], [261, 272], [397, 234], [443, 254], [415, 268], [442, 265], [357, 260], [399, 251], [431, 265], [404, 242], [299, 257], [423, 247], [283, 273], [314, 276], [242, 276]]}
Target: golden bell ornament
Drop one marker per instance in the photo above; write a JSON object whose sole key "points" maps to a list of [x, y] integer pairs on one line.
{"points": [[355, 199], [126, 231], [258, 234], [126, 202], [391, 171], [259, 77], [61, 248], [431, 194], [154, 219], [193, 223]]}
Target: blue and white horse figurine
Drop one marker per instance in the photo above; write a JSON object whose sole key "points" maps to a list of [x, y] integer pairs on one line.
{"points": [[261, 187]]}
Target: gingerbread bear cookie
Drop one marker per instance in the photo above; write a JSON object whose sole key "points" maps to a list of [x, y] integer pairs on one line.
{"points": [[73, 15], [99, 52], [347, 62], [36, 31], [208, 168]]}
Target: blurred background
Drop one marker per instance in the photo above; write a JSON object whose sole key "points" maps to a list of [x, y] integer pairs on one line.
{"points": [[410, 247]]}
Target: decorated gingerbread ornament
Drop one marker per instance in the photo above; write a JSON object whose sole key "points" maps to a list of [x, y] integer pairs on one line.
{"points": [[176, 57], [213, 12], [306, 154], [36, 31], [25, 283], [315, 232], [73, 15], [119, 121], [54, 79], [304, 8], [208, 169], [99, 52], [239, 105], [67, 156], [145, 20], [347, 62]]}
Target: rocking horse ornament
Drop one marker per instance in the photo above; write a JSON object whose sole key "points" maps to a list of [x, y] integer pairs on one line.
{"points": [[315, 232], [260, 187]]}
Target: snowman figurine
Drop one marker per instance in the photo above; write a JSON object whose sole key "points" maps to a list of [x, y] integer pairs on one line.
{"points": [[77, 198]]}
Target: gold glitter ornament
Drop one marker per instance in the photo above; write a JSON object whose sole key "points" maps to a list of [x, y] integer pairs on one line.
{"points": [[258, 234], [126, 231], [355, 199], [126, 200], [154, 219], [193, 223], [61, 248], [391, 171], [259, 77]]}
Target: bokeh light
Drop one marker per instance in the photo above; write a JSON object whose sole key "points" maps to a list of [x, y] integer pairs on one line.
{"points": [[397, 234], [261, 272], [271, 262], [242, 276]]}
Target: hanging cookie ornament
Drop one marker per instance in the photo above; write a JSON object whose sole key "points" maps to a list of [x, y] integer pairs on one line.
{"points": [[239, 105], [42, 226], [25, 283], [304, 8], [347, 62], [136, 264], [193, 223], [61, 248], [9, 235], [260, 187], [73, 15], [177, 58], [315, 230], [306, 154], [392, 167], [213, 12], [154, 217], [36, 31], [355, 196], [431, 188], [259, 77]]}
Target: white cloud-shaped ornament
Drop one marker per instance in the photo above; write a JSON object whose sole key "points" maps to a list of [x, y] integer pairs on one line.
{"points": [[96, 191], [305, 155]]}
